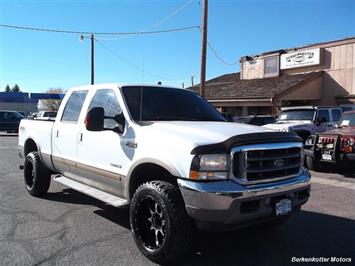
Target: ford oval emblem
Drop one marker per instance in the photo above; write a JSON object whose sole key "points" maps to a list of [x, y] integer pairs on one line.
{"points": [[279, 163]]}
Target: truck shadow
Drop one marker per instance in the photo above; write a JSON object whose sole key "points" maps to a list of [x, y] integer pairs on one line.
{"points": [[119, 216], [306, 234], [347, 172]]}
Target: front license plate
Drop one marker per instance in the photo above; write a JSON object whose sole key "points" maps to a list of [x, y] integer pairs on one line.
{"points": [[326, 157], [283, 207]]}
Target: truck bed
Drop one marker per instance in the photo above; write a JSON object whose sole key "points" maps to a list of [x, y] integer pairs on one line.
{"points": [[40, 131]]}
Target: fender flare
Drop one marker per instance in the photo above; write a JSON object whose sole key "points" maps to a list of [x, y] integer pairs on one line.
{"points": [[164, 164]]}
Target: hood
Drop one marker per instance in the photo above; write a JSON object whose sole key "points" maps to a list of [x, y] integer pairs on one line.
{"points": [[288, 124], [201, 133], [344, 131]]}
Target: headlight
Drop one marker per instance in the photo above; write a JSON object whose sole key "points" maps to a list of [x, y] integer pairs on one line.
{"points": [[210, 167]]}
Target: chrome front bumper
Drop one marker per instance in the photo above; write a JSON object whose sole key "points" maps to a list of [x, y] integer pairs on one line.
{"points": [[230, 203]]}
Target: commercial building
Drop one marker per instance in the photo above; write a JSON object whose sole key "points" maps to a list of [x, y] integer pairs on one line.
{"points": [[25, 102], [316, 74]]}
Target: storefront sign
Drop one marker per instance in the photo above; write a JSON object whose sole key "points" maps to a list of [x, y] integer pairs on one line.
{"points": [[300, 59]]}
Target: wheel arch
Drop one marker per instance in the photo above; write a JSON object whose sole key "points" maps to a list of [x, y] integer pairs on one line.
{"points": [[30, 146], [147, 170]]}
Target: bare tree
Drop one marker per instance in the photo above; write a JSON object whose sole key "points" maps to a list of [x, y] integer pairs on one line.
{"points": [[52, 104]]}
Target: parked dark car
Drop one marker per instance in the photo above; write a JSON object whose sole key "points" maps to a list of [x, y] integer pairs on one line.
{"points": [[256, 120], [335, 147], [10, 120]]}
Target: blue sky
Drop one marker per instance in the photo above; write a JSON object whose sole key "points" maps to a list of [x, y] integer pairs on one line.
{"points": [[37, 61]]}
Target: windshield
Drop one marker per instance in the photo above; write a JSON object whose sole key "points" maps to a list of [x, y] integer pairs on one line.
{"points": [[299, 114], [167, 104], [347, 120]]}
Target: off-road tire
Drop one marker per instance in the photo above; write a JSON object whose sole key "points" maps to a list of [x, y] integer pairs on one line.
{"points": [[311, 164], [179, 227], [37, 176]]}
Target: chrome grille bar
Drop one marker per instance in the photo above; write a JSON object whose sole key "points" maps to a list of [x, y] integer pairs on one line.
{"points": [[252, 164]]}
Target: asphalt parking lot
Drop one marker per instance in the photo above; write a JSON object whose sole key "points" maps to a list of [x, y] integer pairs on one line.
{"points": [[69, 228]]}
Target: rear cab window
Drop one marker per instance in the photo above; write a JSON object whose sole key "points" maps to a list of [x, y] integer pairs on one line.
{"points": [[336, 114], [73, 106]]}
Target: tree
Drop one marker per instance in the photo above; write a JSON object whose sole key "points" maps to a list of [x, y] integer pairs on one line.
{"points": [[52, 104], [7, 88], [16, 88]]}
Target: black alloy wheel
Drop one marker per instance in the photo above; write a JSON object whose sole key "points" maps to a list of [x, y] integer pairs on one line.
{"points": [[29, 175], [161, 227], [151, 226], [37, 176]]}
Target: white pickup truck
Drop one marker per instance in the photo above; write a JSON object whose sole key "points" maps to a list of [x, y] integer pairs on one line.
{"points": [[306, 120], [168, 155]]}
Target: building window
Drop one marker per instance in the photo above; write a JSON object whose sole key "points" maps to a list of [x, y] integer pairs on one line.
{"points": [[271, 66]]}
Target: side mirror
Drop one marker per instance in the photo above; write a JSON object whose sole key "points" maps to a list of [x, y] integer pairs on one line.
{"points": [[310, 140], [94, 120], [336, 125]]}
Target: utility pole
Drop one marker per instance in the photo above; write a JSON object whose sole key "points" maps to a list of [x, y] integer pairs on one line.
{"points": [[204, 48], [192, 80], [92, 60], [92, 38]]}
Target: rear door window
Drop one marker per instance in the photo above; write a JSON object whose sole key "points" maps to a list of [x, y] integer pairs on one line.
{"points": [[73, 107], [336, 113]]}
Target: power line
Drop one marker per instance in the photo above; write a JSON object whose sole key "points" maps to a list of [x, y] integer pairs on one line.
{"points": [[217, 55], [169, 16], [97, 33], [219, 58], [155, 24], [131, 64]]}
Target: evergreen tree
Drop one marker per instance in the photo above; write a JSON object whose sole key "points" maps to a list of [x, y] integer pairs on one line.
{"points": [[7, 88], [16, 88]]}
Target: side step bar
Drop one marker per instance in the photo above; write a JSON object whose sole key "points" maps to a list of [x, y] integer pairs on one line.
{"points": [[90, 191]]}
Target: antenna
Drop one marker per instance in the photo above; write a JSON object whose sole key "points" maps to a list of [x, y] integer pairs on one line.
{"points": [[141, 99], [141, 105]]}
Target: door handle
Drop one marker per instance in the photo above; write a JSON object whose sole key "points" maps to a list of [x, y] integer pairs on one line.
{"points": [[80, 137], [131, 144], [57, 134]]}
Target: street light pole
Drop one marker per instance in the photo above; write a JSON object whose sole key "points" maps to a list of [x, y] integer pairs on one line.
{"points": [[92, 59], [204, 48]]}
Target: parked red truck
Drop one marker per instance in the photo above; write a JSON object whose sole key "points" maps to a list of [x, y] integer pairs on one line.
{"points": [[334, 147]]}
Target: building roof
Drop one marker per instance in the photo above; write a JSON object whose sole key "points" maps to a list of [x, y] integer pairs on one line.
{"points": [[230, 86], [250, 57]]}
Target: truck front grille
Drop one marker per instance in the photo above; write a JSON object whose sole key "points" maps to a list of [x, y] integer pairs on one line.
{"points": [[252, 164]]}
